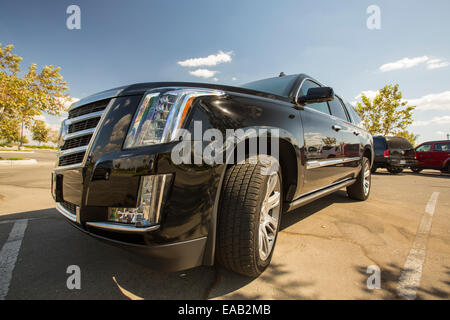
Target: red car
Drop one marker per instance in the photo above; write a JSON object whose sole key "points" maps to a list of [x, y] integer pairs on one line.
{"points": [[433, 155]]}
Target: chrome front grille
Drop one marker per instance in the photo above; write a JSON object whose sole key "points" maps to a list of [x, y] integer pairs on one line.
{"points": [[80, 128]]}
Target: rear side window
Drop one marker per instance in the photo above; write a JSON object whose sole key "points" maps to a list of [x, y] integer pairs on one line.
{"points": [[336, 109], [321, 106], [424, 148], [353, 115], [398, 143], [442, 146]]}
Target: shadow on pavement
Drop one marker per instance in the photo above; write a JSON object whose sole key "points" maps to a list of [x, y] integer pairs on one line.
{"points": [[304, 212], [390, 275], [51, 244]]}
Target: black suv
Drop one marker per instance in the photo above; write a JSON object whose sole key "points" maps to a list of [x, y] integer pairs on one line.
{"points": [[135, 166], [393, 153]]}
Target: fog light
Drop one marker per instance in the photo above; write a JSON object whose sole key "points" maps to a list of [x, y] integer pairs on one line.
{"points": [[152, 193]]}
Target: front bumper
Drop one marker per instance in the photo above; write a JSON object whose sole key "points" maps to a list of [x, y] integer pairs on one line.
{"points": [[110, 177], [169, 257]]}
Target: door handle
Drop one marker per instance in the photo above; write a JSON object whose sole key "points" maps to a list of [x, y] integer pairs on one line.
{"points": [[336, 127], [356, 133]]}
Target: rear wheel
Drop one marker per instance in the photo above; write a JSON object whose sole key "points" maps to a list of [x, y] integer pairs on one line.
{"points": [[249, 217], [360, 190], [395, 170], [416, 170]]}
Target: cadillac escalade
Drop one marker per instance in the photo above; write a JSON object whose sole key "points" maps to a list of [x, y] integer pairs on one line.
{"points": [[117, 179]]}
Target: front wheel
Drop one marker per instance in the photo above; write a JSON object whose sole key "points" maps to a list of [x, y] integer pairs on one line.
{"points": [[360, 190], [249, 216]]}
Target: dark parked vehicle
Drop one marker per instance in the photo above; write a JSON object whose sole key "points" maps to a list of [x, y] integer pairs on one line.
{"points": [[433, 155], [393, 153], [117, 179]]}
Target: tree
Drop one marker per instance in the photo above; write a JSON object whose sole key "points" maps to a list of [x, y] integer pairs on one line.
{"points": [[40, 131], [53, 136], [387, 113], [411, 137], [23, 98]]}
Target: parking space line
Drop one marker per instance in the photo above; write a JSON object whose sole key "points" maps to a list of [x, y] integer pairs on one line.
{"points": [[8, 255], [409, 280]]}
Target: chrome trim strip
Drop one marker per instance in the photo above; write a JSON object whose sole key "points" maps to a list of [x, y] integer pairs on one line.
{"points": [[68, 167], [324, 163], [65, 212], [79, 134], [121, 227], [87, 148], [97, 129], [316, 194], [70, 151], [161, 193], [85, 117]]}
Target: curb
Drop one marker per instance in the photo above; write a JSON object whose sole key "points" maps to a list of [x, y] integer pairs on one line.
{"points": [[12, 151], [17, 162]]}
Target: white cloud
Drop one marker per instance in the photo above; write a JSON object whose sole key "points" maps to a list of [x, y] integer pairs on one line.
{"points": [[216, 79], [211, 60], [435, 101], [437, 64], [203, 73], [404, 63], [368, 93], [233, 79], [434, 121], [39, 117]]}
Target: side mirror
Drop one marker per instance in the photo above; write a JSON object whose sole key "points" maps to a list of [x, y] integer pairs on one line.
{"points": [[314, 95]]}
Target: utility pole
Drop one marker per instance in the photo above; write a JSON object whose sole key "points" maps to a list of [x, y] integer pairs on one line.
{"points": [[448, 136]]}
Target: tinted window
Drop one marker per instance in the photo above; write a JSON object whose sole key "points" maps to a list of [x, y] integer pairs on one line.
{"points": [[424, 148], [398, 143], [321, 106], [378, 143], [336, 109], [280, 85], [442, 146]]}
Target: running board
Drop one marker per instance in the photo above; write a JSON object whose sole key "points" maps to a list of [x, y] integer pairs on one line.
{"points": [[316, 195]]}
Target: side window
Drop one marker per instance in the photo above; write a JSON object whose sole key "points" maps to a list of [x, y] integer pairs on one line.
{"points": [[321, 106], [424, 148], [336, 109], [442, 147]]}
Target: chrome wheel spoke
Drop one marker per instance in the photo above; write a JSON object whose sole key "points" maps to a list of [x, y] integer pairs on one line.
{"points": [[269, 216], [273, 201]]}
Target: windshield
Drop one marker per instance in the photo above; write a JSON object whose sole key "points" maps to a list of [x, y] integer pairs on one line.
{"points": [[280, 86]]}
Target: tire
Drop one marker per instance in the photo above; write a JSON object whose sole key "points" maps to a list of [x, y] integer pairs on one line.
{"points": [[243, 219], [394, 170], [360, 190], [374, 169], [416, 170]]}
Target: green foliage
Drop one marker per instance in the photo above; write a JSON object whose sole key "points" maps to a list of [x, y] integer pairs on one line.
{"points": [[387, 113], [24, 98], [40, 131], [411, 137]]}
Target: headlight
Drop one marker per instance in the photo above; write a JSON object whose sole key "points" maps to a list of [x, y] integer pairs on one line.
{"points": [[160, 115]]}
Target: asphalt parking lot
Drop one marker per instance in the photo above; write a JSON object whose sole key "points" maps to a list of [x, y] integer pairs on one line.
{"points": [[323, 250]]}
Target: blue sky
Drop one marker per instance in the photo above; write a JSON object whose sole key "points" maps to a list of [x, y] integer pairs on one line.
{"points": [[122, 42]]}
